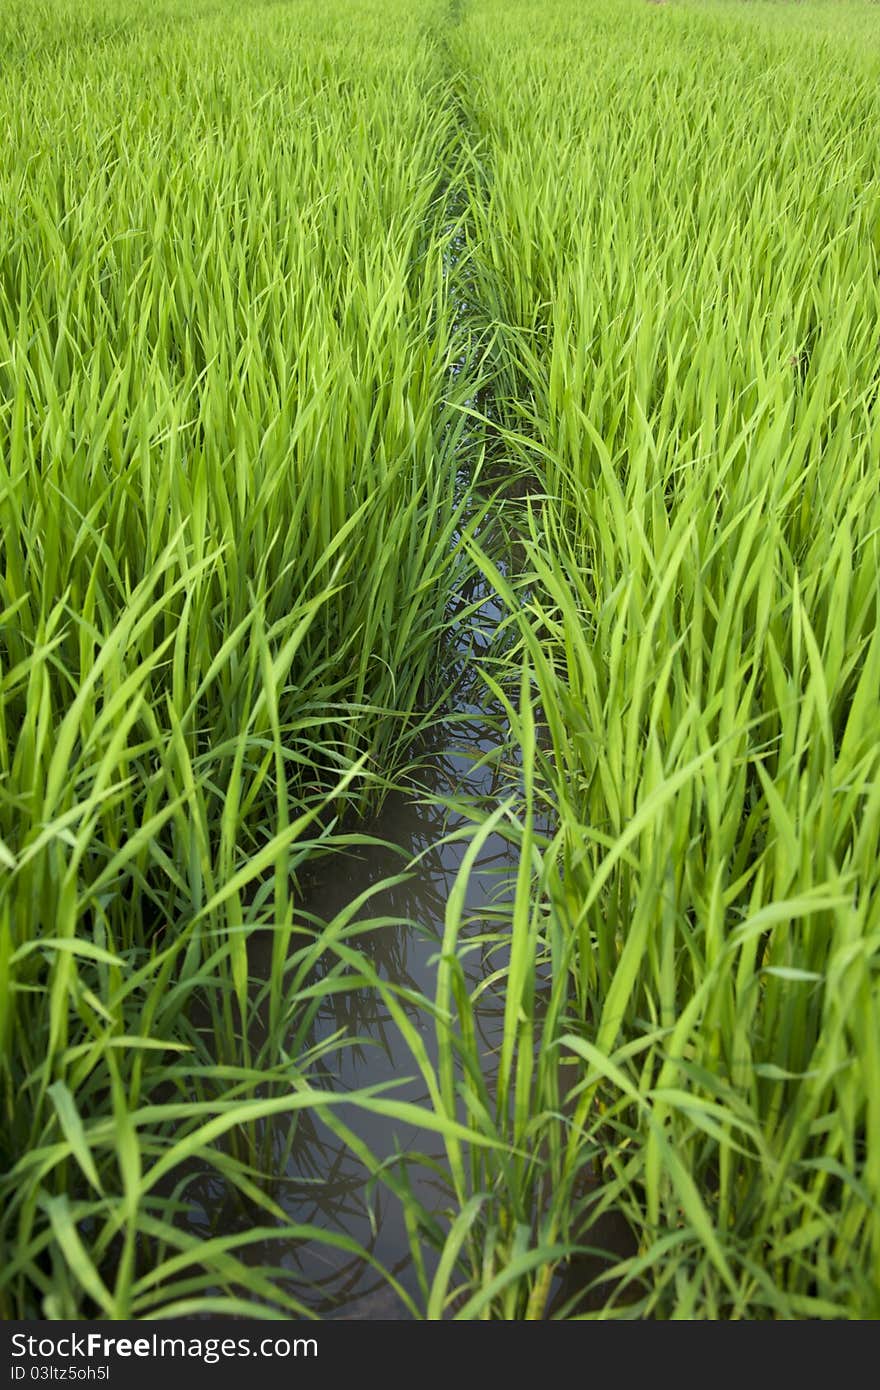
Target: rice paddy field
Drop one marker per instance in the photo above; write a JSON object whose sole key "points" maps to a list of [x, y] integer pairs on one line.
{"points": [[457, 384]]}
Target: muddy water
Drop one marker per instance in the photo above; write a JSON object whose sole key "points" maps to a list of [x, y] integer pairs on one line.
{"points": [[328, 1186], [324, 1184], [314, 1176]]}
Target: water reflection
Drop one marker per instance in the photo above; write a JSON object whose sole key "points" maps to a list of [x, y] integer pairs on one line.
{"points": [[307, 1163], [324, 1183]]}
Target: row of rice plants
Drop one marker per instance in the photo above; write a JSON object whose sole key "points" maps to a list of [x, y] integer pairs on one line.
{"points": [[228, 432], [675, 231]]}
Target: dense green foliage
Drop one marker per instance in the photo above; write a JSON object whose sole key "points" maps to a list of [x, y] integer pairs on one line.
{"points": [[676, 228], [228, 467], [254, 261]]}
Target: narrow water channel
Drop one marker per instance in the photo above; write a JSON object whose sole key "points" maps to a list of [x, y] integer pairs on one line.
{"points": [[417, 843], [408, 869]]}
